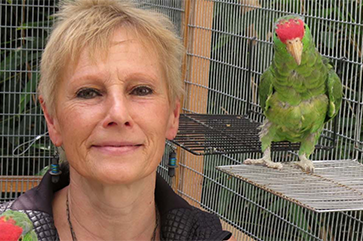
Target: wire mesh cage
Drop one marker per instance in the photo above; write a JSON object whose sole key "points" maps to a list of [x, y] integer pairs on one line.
{"points": [[222, 76], [228, 46], [24, 27]]}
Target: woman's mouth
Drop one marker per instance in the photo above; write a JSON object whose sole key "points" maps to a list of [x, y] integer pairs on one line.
{"points": [[116, 149]]}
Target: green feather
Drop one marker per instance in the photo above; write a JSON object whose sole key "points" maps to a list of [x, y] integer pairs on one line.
{"points": [[31, 236], [22, 220]]}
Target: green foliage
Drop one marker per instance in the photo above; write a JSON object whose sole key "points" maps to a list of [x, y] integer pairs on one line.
{"points": [[43, 171]]}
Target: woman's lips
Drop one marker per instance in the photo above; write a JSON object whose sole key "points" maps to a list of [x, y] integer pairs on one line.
{"points": [[116, 149]]}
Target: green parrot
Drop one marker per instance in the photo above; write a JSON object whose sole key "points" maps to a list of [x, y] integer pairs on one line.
{"points": [[15, 225], [298, 93]]}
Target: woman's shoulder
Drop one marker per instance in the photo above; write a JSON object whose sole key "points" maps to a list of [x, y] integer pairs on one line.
{"points": [[182, 221], [20, 219], [192, 224], [5, 206], [15, 225]]}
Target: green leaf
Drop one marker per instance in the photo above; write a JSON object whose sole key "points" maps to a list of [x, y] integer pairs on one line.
{"points": [[31, 86], [27, 38], [41, 147], [12, 61], [327, 12], [31, 25], [43, 171], [222, 40], [7, 43], [327, 37], [225, 197]]}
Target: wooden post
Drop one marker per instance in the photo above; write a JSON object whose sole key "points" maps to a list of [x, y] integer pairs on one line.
{"points": [[197, 40], [184, 71]]}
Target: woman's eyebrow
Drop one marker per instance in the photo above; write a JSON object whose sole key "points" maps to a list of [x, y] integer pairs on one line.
{"points": [[140, 76], [90, 74], [87, 75]]}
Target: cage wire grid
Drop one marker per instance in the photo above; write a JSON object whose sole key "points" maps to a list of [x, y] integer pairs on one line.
{"points": [[217, 34], [218, 82], [24, 26]]}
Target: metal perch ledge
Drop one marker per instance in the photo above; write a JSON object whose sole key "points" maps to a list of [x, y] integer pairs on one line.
{"points": [[204, 134], [334, 186]]}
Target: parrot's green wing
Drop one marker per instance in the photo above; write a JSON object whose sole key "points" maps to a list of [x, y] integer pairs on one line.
{"points": [[334, 91], [265, 89], [31, 236]]}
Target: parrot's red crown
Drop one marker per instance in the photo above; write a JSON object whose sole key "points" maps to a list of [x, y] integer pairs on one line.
{"points": [[290, 29]]}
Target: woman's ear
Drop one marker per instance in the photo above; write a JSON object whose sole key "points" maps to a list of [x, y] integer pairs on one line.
{"points": [[52, 124], [173, 123]]}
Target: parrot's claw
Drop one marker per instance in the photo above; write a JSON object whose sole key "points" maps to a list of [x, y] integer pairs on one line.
{"points": [[305, 164], [263, 161], [306, 167]]}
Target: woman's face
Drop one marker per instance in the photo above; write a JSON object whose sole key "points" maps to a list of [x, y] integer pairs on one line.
{"points": [[112, 117]]}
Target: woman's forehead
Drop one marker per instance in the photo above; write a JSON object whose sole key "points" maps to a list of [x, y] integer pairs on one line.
{"points": [[123, 44]]}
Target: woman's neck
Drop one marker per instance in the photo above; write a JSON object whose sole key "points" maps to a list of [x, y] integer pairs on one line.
{"points": [[106, 212]]}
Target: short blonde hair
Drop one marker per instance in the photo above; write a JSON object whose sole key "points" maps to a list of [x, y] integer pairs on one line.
{"points": [[91, 23]]}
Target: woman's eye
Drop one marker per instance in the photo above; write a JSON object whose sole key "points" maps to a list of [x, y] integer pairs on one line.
{"points": [[87, 93], [142, 91]]}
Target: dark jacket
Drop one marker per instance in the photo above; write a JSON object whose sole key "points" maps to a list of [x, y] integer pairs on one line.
{"points": [[179, 220]]}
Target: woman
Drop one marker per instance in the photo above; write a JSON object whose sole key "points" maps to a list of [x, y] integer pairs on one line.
{"points": [[110, 89]]}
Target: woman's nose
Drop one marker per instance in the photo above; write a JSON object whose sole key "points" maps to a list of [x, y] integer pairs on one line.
{"points": [[117, 112]]}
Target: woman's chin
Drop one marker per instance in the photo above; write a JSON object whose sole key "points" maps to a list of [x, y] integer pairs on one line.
{"points": [[118, 175]]}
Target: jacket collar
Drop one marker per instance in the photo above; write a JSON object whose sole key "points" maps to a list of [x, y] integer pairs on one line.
{"points": [[40, 197]]}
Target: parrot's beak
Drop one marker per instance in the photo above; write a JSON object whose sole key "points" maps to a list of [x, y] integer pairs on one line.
{"points": [[295, 47]]}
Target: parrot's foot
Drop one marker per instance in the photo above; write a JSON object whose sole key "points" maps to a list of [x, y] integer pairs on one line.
{"points": [[305, 164], [264, 161]]}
